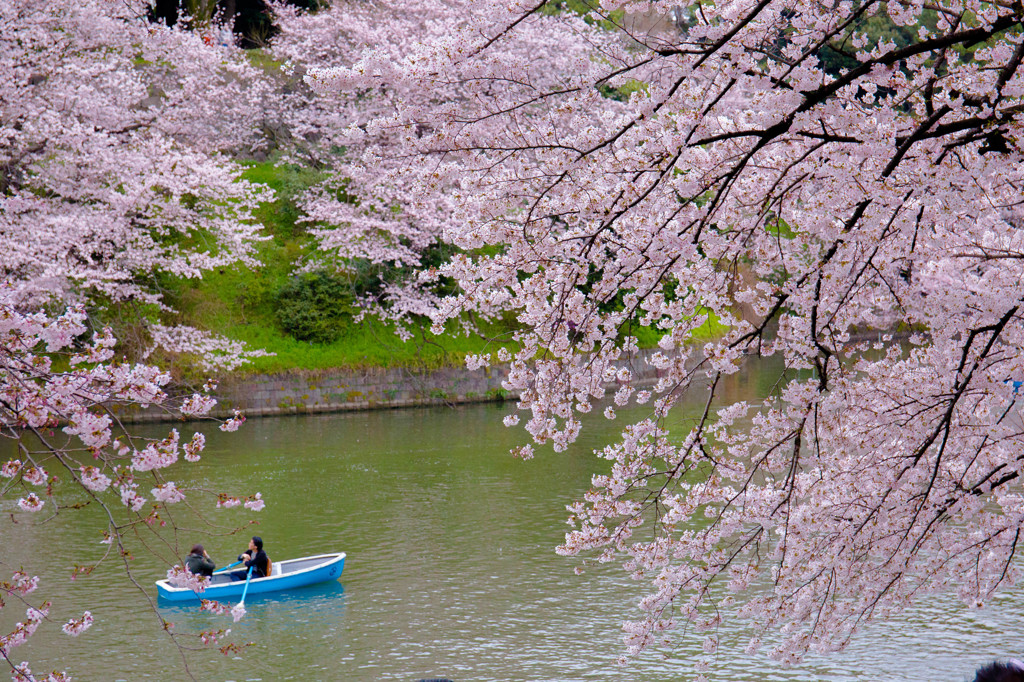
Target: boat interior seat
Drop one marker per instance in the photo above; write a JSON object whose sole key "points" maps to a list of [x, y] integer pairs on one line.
{"points": [[275, 569]]}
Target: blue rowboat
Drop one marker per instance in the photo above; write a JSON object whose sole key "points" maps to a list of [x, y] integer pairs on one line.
{"points": [[284, 575]]}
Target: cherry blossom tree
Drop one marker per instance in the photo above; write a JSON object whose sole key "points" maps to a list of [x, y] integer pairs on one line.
{"points": [[364, 212], [112, 168], [113, 172], [777, 165]]}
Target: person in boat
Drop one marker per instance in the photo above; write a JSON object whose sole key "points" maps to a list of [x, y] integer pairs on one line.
{"points": [[199, 562], [255, 557]]}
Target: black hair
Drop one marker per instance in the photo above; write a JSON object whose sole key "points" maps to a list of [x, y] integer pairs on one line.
{"points": [[196, 549], [258, 541], [998, 671]]}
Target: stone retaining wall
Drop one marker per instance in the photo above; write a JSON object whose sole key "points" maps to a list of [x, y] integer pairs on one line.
{"points": [[358, 390], [337, 391]]}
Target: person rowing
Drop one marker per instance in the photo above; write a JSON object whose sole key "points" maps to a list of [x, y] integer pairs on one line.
{"points": [[255, 558]]}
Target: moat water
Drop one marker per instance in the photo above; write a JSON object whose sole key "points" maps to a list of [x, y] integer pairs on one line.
{"points": [[451, 570]]}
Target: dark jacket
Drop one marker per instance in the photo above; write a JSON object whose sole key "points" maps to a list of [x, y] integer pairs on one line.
{"points": [[259, 563], [199, 564]]}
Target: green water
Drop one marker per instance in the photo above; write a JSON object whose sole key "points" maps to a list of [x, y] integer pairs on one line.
{"points": [[451, 570]]}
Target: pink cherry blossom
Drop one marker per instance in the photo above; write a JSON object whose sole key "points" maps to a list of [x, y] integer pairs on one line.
{"points": [[30, 503], [75, 627], [213, 606], [10, 468], [93, 479], [157, 454], [35, 476], [23, 629], [214, 636], [233, 423], [197, 404], [180, 576], [93, 429], [214, 353], [194, 447], [114, 164], [130, 496], [255, 503], [21, 583], [168, 493]]}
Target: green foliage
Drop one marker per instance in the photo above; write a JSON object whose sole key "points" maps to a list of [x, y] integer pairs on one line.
{"points": [[289, 182], [622, 93], [264, 61], [581, 7], [971, 20], [837, 56], [365, 278], [648, 337], [314, 307], [371, 343], [434, 256], [590, 10], [498, 394], [778, 227], [243, 303]]}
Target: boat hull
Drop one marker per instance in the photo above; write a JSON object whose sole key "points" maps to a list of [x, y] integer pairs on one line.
{"points": [[287, 575]]}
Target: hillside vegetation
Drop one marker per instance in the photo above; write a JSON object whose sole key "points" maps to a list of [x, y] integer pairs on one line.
{"points": [[309, 320]]}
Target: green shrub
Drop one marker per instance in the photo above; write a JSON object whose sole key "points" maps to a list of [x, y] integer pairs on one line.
{"points": [[314, 307]]}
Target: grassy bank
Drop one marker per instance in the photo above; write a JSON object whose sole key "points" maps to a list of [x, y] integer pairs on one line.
{"points": [[246, 304]]}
